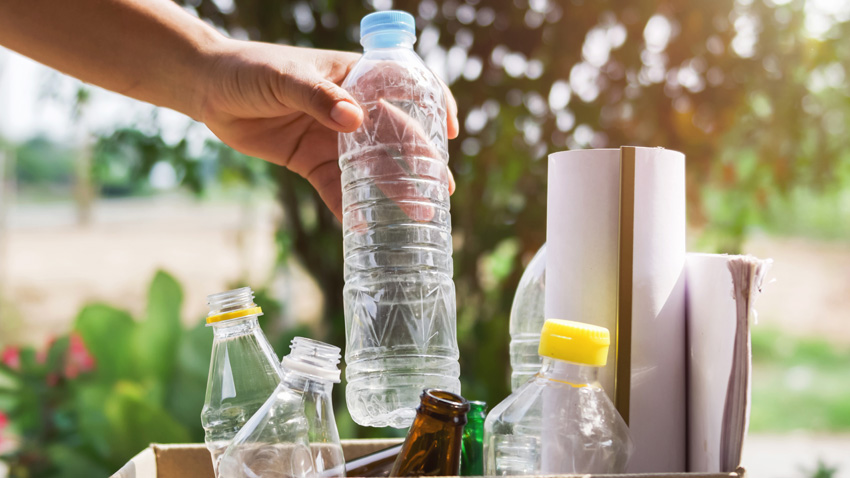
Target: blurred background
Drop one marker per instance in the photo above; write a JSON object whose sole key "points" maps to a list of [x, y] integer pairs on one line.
{"points": [[118, 218]]}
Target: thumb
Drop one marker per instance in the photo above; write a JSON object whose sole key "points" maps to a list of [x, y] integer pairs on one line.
{"points": [[325, 101]]}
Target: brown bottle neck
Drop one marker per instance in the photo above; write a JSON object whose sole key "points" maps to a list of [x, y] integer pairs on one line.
{"points": [[432, 446]]}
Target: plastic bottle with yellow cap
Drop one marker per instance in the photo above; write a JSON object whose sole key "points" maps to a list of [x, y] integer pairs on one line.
{"points": [[244, 369], [561, 421]]}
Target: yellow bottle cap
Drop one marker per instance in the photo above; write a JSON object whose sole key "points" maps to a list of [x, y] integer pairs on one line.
{"points": [[236, 314], [574, 342]]}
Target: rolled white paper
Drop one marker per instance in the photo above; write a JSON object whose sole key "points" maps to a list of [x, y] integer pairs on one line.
{"points": [[584, 278]]}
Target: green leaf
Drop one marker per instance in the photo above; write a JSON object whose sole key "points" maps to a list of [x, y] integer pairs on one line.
{"points": [[70, 463], [57, 353], [135, 421], [93, 424], [159, 333], [107, 333], [187, 389]]}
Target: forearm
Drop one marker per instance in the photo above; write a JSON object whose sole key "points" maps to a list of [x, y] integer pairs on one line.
{"points": [[147, 49]]}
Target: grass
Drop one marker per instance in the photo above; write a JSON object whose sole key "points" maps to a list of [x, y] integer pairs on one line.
{"points": [[799, 384]]}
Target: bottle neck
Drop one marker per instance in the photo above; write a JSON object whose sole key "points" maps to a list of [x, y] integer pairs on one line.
{"points": [[306, 383], [235, 327], [443, 406], [571, 373], [311, 366], [389, 39], [432, 446], [477, 412]]}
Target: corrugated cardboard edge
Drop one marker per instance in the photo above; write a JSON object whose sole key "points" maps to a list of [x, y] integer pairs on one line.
{"points": [[193, 461]]}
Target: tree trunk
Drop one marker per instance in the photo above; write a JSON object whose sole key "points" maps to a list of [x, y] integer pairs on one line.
{"points": [[83, 183]]}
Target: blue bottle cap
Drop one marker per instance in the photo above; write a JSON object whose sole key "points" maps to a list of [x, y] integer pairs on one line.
{"points": [[388, 21]]}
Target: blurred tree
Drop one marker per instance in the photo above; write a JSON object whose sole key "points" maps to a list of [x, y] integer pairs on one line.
{"points": [[41, 163], [753, 92]]}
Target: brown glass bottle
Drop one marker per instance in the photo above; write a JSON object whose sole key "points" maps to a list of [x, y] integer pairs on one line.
{"points": [[432, 446], [376, 464]]}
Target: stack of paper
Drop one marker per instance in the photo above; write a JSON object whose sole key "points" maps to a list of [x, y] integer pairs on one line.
{"points": [[721, 293]]}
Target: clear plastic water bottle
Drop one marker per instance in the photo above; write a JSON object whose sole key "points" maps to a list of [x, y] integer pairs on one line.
{"points": [[294, 433], [244, 369], [562, 421], [527, 319], [399, 296]]}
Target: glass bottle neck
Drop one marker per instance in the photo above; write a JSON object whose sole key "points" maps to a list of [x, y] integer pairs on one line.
{"points": [[477, 412], [392, 39], [432, 446], [569, 372]]}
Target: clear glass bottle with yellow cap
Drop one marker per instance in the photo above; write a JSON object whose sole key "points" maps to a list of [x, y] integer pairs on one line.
{"points": [[561, 421], [244, 369]]}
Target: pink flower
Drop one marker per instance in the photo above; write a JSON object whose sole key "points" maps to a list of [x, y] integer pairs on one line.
{"points": [[11, 357], [79, 360], [4, 422]]}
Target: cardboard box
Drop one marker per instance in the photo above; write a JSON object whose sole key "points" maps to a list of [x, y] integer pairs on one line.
{"points": [[193, 461]]}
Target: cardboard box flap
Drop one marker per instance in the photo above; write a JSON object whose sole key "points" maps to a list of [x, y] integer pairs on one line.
{"points": [[143, 464], [193, 461], [169, 461]]}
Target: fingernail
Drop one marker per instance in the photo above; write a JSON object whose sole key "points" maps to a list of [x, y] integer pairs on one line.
{"points": [[346, 114]]}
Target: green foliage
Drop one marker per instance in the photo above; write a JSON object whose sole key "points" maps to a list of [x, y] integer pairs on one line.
{"points": [[123, 162], [161, 328], [822, 470], [41, 162], [94, 398], [108, 332], [800, 384]]}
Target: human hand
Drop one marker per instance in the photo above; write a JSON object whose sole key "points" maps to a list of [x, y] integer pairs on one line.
{"points": [[284, 104]]}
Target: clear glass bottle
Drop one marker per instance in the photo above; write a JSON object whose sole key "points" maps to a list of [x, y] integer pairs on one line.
{"points": [[294, 433], [561, 421], [243, 368], [527, 319], [400, 312]]}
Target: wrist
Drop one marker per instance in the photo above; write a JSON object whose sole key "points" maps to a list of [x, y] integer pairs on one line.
{"points": [[211, 48]]}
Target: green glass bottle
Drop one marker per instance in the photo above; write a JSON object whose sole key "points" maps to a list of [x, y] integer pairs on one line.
{"points": [[432, 446], [472, 446]]}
